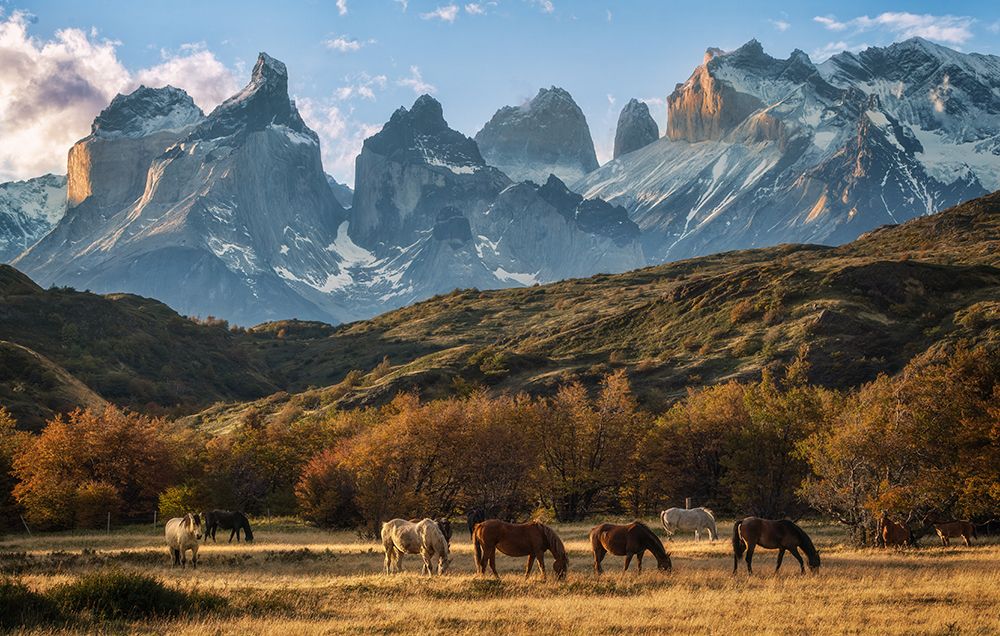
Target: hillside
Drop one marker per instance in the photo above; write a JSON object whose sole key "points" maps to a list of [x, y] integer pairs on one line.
{"points": [[861, 309]]}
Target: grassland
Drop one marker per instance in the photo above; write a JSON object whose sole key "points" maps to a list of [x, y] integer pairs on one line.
{"points": [[295, 579]]}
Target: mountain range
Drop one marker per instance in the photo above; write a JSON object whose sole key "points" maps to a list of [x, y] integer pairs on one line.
{"points": [[231, 215]]}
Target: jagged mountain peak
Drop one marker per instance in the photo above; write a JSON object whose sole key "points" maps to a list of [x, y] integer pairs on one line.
{"points": [[636, 128], [261, 103], [422, 134], [147, 110]]}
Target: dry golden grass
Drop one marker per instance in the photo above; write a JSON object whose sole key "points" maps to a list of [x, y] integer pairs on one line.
{"points": [[299, 580]]}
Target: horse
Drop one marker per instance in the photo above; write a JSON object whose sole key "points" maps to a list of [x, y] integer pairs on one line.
{"points": [[476, 515], [444, 525], [696, 519], [627, 541], [182, 534], [425, 538], [780, 535], [530, 539], [227, 520], [894, 534], [948, 529]]}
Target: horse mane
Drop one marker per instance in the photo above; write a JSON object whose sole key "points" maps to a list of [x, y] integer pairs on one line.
{"points": [[555, 543], [709, 512], [655, 546], [805, 542]]}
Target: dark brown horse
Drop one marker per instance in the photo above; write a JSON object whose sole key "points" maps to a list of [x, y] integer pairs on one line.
{"points": [[781, 535], [947, 530], [894, 534], [627, 541], [518, 539]]}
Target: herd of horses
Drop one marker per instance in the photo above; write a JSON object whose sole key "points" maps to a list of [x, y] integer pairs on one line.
{"points": [[431, 539]]}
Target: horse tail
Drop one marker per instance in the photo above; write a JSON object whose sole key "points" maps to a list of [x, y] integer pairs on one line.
{"points": [[737, 540], [806, 543], [477, 543]]}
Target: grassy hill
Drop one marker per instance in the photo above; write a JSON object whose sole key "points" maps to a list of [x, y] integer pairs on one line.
{"points": [[861, 309]]}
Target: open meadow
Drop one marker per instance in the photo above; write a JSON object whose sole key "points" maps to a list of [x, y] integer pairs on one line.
{"points": [[296, 579]]}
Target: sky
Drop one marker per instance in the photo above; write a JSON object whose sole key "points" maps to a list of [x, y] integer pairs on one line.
{"points": [[353, 62]]}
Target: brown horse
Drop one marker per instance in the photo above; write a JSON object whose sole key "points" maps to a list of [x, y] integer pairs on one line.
{"points": [[627, 541], [894, 534], [949, 529], [518, 539], [780, 535]]}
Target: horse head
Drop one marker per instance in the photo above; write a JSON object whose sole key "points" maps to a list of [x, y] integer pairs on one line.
{"points": [[196, 525], [663, 563], [247, 532], [444, 564]]}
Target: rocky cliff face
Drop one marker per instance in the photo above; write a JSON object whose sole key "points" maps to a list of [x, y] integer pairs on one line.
{"points": [[28, 211], [760, 150], [636, 128], [231, 217], [548, 135]]}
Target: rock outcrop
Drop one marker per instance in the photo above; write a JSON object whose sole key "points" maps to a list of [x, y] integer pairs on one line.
{"points": [[547, 135], [636, 128], [28, 211]]}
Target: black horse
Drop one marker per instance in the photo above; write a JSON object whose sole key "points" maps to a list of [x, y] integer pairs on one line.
{"points": [[476, 515], [227, 520]]}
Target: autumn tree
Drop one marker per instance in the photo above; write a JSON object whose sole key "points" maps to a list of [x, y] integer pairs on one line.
{"points": [[12, 441]]}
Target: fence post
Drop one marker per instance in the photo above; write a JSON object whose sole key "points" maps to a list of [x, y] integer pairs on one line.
{"points": [[687, 503], [154, 518], [109, 523], [25, 525]]}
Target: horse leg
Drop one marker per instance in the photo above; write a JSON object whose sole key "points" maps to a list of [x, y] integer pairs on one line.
{"points": [[427, 563], [697, 535], [628, 560], [387, 562], [231, 533], [638, 561], [599, 553], [194, 556], [493, 561], [968, 543], [531, 562], [798, 557], [177, 556], [781, 555], [541, 563], [750, 548]]}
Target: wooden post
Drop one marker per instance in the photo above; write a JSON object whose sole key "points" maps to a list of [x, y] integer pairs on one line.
{"points": [[109, 523], [25, 525], [154, 517], [687, 503]]}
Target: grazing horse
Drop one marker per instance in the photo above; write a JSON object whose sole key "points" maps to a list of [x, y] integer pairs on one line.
{"points": [[695, 519], [425, 538], [444, 525], [182, 534], [627, 541], [227, 520], [894, 534], [530, 539], [949, 529], [780, 535]]}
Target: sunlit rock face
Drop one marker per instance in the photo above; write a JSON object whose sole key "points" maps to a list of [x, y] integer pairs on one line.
{"points": [[760, 150], [636, 128], [547, 135]]}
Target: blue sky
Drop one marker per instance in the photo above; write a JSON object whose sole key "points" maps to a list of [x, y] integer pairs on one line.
{"points": [[352, 62]]}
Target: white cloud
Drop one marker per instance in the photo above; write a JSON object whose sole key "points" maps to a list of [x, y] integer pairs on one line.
{"points": [[362, 85], [342, 7], [51, 90], [474, 8], [994, 28], [416, 82], [608, 13], [832, 48], [949, 29], [545, 5], [446, 13], [346, 44], [404, 3], [195, 69], [341, 136], [780, 25]]}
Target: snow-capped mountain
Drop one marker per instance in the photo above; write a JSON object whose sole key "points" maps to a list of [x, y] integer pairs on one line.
{"points": [[547, 135], [760, 151], [231, 214], [28, 210]]}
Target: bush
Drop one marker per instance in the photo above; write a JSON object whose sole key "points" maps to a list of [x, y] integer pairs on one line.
{"points": [[93, 502], [325, 493], [118, 594], [177, 501], [20, 606]]}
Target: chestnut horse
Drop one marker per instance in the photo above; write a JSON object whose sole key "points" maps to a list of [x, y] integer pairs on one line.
{"points": [[949, 529], [530, 539], [627, 541], [894, 534], [780, 535]]}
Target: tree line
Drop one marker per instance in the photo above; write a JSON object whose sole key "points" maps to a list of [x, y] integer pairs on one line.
{"points": [[924, 441]]}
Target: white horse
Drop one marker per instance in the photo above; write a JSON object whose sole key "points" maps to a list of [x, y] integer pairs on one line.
{"points": [[425, 538], [696, 519], [183, 534]]}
